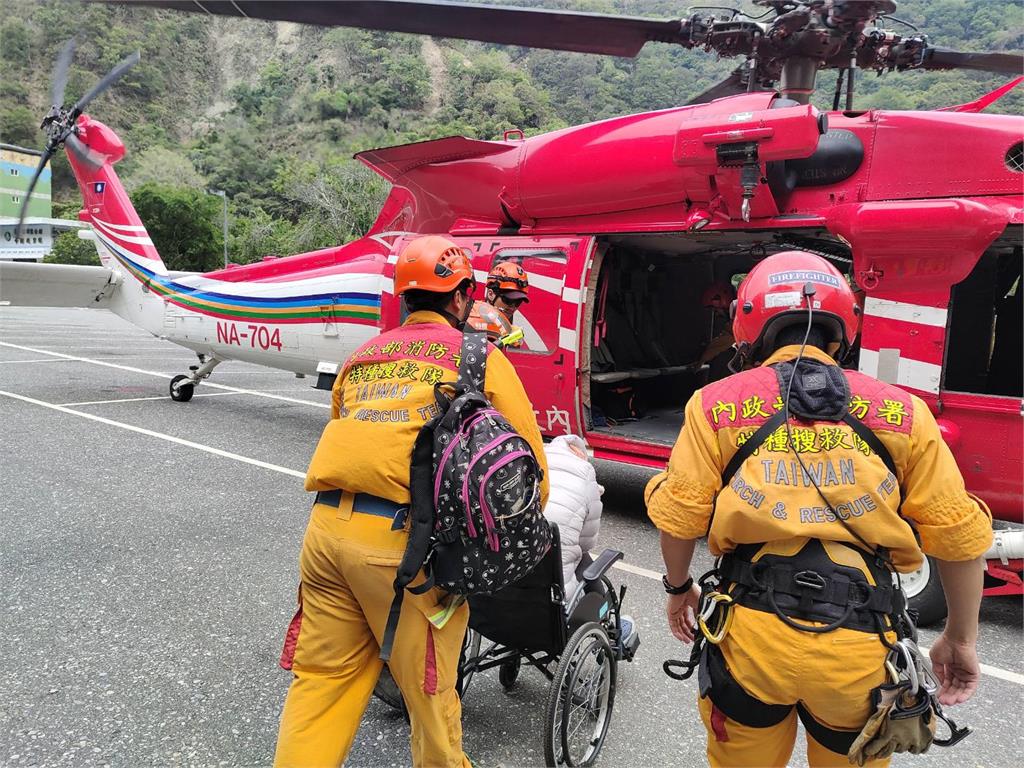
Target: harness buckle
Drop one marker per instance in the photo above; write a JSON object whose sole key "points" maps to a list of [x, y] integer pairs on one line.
{"points": [[810, 580]]}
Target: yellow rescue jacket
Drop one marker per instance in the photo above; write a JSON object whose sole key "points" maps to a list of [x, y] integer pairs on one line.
{"points": [[771, 499], [385, 393]]}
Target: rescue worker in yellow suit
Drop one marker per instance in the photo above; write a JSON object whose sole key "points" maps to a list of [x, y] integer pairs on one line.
{"points": [[797, 511], [507, 289], [358, 529]]}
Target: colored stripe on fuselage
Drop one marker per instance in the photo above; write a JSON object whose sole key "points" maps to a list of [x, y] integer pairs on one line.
{"points": [[351, 307]]}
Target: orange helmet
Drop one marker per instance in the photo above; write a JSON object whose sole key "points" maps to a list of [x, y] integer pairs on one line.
{"points": [[773, 297], [718, 295], [434, 264], [484, 317], [509, 278]]}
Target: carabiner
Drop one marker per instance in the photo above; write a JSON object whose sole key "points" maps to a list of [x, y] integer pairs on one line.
{"points": [[922, 666], [714, 601]]}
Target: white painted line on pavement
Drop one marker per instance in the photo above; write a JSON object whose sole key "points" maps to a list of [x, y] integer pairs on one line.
{"points": [[44, 360], [1002, 674], [140, 399], [637, 570], [105, 364], [160, 435]]}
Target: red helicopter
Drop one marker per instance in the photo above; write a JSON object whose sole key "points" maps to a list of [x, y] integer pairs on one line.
{"points": [[622, 225]]}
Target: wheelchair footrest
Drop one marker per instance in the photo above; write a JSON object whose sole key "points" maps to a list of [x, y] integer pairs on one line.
{"points": [[631, 645]]}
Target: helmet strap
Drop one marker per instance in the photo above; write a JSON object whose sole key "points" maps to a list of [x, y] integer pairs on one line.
{"points": [[740, 357], [455, 321]]}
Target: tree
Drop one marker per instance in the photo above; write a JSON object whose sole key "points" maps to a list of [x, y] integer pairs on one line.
{"points": [[258, 234], [19, 126], [333, 203], [69, 249], [184, 223], [163, 166]]}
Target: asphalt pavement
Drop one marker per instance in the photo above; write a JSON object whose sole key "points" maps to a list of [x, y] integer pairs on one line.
{"points": [[149, 564]]}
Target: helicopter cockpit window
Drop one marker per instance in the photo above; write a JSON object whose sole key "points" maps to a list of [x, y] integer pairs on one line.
{"points": [[985, 341], [539, 317]]}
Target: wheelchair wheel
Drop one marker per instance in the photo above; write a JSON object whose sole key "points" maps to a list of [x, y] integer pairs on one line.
{"points": [[470, 651], [581, 699], [508, 672], [387, 691]]}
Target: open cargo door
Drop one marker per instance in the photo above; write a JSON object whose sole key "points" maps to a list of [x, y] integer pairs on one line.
{"points": [[547, 362]]}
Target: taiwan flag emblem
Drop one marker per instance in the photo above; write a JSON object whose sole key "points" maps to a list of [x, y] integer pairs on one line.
{"points": [[99, 186]]}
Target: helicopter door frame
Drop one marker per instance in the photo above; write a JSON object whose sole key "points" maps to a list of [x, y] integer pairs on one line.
{"points": [[551, 320]]}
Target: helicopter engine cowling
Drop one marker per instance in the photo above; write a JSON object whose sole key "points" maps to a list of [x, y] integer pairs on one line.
{"points": [[661, 158]]}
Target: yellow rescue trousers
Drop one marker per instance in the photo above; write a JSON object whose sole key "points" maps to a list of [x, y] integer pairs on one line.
{"points": [[831, 674], [348, 565]]}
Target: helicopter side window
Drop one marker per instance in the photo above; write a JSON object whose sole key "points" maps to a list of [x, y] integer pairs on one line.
{"points": [[539, 317], [985, 341]]}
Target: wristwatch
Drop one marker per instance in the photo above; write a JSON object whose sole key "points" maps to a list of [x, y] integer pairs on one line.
{"points": [[685, 587]]}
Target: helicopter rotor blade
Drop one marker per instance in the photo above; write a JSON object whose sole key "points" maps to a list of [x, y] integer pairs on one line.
{"points": [[111, 77], [90, 157], [60, 72], [506, 25], [47, 154], [945, 58], [732, 85]]}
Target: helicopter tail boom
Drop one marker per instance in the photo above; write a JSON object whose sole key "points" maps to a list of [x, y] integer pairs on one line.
{"points": [[121, 238]]}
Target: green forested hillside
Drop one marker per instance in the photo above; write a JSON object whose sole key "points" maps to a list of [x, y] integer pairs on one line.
{"points": [[271, 113]]}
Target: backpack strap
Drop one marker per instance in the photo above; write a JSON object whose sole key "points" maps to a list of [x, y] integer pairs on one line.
{"points": [[868, 436], [421, 529], [753, 443], [473, 360]]}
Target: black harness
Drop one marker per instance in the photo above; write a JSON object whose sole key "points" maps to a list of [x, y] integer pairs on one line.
{"points": [[810, 586]]}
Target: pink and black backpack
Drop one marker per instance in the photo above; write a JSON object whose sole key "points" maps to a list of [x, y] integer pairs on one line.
{"points": [[477, 519]]}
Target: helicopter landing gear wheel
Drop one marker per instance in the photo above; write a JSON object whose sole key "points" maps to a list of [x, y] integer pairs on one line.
{"points": [[182, 388], [924, 593]]}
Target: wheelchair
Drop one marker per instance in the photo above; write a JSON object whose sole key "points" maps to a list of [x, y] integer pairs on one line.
{"points": [[576, 642]]}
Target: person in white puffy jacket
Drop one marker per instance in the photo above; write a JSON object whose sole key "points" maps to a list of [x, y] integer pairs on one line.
{"points": [[574, 502]]}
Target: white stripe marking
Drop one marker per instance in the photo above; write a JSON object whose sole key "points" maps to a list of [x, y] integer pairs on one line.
{"points": [[159, 435], [44, 360], [120, 236], [165, 375], [909, 313], [141, 399], [122, 227], [572, 295], [1002, 674], [912, 373], [567, 339]]}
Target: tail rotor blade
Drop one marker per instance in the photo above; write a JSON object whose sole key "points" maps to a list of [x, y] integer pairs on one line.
{"points": [[60, 72], [90, 157], [111, 77], [47, 154]]}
